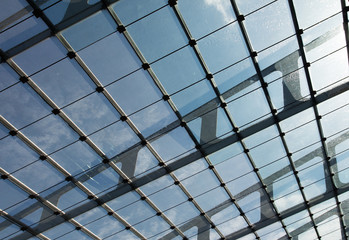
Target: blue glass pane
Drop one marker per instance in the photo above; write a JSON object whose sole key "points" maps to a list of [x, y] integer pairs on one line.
{"points": [[191, 169], [158, 34], [110, 58], [135, 91], [212, 199], [123, 235], [132, 10], [311, 12], [246, 7], [223, 48], [24, 110], [269, 25], [91, 215], [262, 136], [207, 179], [39, 176], [64, 82], [124, 200], [239, 185], [136, 212], [11, 8], [10, 230], [145, 161], [89, 30], [182, 213], [168, 198], [76, 158], [7, 76], [14, 154], [225, 153], [75, 235], [203, 17], [115, 139], [21, 32], [102, 181], [13, 193], [193, 97], [152, 227], [41, 55], [92, 113], [185, 72], [289, 201], [153, 118], [105, 226], [43, 133], [179, 141], [249, 107], [59, 230]]}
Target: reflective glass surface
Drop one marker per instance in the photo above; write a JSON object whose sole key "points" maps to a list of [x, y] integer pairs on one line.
{"points": [[185, 119]]}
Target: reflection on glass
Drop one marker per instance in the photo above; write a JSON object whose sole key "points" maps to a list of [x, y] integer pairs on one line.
{"points": [[64, 82], [8, 76], [223, 48], [105, 226], [136, 212], [193, 97], [89, 30], [311, 12], [327, 70], [158, 34], [226, 153], [21, 32], [245, 7], [168, 198], [115, 138], [185, 72], [234, 167], [110, 58], [288, 201], [129, 11], [23, 110], [212, 199], [269, 25], [135, 91], [182, 213], [152, 226], [262, 136], [14, 154], [10, 230], [45, 176], [249, 107], [339, 117], [75, 235], [153, 118], [14, 194], [157, 185], [207, 180], [41, 55], [126, 234], [92, 113], [179, 141], [59, 230], [102, 181], [203, 17]]}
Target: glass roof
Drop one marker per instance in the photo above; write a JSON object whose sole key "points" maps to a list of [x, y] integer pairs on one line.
{"points": [[179, 119]]}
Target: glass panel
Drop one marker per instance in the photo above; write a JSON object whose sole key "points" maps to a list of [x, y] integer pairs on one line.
{"points": [[243, 185], [249, 107], [89, 30], [124, 235], [91, 215], [14, 154], [289, 201], [92, 113], [245, 7], [234, 167], [115, 139], [203, 17], [324, 38], [179, 141], [123, 200], [59, 230], [21, 32], [146, 161], [43, 133], [105, 226], [223, 48], [207, 180], [333, 103], [152, 226], [193, 97], [24, 110], [296, 140], [269, 25], [212, 199], [226, 153], [40, 55], [158, 34], [311, 12], [297, 120], [102, 181], [13, 193], [153, 118], [64, 82], [9, 230], [232, 225], [157, 185], [268, 152], [168, 198], [75, 235], [76, 158], [63, 10], [251, 206], [191, 169], [275, 170], [261, 136], [129, 11], [182, 213], [10, 9], [236, 78], [8, 76], [39, 176], [327, 71], [136, 212], [341, 165], [339, 117], [110, 58], [135, 91], [185, 72]]}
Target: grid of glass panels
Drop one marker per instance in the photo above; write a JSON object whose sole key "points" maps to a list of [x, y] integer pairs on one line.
{"points": [[188, 119]]}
